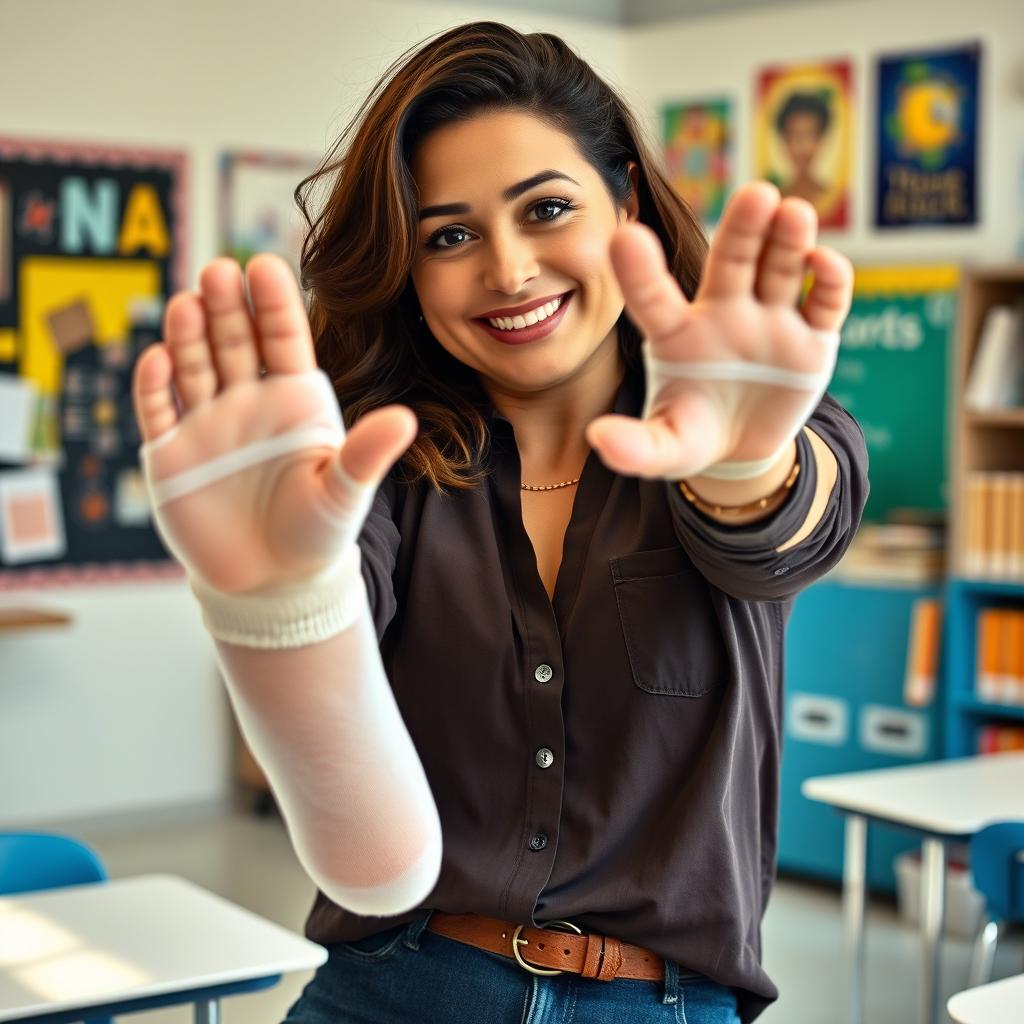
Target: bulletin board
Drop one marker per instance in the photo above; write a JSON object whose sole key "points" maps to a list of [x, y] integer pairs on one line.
{"points": [[92, 244], [892, 374]]}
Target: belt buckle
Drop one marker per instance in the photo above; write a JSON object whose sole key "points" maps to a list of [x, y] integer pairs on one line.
{"points": [[517, 942]]}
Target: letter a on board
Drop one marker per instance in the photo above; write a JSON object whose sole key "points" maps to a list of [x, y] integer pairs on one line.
{"points": [[143, 226]]}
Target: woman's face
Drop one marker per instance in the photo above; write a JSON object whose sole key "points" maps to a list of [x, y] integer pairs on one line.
{"points": [[508, 239]]}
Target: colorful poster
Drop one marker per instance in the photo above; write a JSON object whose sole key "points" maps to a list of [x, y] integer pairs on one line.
{"points": [[257, 203], [698, 154], [928, 138], [804, 135], [92, 243], [892, 374]]}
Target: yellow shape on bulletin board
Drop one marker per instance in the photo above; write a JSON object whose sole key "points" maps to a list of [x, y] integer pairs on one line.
{"points": [[48, 284], [8, 345]]}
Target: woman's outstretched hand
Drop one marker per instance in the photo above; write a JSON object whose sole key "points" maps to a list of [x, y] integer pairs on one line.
{"points": [[768, 359], [282, 517]]}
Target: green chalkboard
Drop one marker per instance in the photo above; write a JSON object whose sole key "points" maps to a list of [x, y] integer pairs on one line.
{"points": [[892, 374]]}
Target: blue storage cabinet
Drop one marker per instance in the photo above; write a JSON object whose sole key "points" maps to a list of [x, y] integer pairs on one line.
{"points": [[965, 712], [846, 656]]}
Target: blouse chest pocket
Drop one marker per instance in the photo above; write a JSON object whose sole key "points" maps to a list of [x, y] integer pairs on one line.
{"points": [[669, 625]]}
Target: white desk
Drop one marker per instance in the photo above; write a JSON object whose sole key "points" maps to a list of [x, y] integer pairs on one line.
{"points": [[944, 800], [134, 943], [997, 1003]]}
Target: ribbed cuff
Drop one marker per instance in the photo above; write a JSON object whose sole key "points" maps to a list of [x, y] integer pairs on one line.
{"points": [[294, 615]]}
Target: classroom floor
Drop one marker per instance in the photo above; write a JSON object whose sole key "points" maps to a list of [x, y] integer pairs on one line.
{"points": [[248, 859]]}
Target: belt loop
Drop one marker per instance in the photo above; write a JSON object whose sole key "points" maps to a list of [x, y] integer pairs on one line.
{"points": [[415, 930], [671, 981]]}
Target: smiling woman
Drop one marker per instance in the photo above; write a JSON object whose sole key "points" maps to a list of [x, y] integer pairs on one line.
{"points": [[485, 148], [517, 691]]}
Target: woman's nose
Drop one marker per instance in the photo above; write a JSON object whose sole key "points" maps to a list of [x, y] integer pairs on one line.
{"points": [[511, 263]]}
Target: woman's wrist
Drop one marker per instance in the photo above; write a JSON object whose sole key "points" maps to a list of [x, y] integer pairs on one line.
{"points": [[739, 502]]}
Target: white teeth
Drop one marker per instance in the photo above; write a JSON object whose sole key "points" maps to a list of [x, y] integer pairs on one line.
{"points": [[507, 323]]}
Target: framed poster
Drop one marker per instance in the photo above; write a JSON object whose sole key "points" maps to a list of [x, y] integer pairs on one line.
{"points": [[927, 170], [698, 154], [258, 212], [92, 243], [804, 135]]}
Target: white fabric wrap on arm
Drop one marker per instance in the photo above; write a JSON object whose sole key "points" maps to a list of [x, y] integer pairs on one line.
{"points": [[814, 384], [299, 613]]}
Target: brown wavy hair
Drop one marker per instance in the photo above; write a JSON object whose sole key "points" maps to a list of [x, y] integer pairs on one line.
{"points": [[358, 253]]}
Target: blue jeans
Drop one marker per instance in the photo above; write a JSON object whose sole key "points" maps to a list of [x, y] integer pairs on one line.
{"points": [[407, 975]]}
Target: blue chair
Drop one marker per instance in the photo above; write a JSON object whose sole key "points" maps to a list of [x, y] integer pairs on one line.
{"points": [[997, 864], [30, 861]]}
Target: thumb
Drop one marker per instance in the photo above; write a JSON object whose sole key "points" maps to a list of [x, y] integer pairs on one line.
{"points": [[377, 441]]}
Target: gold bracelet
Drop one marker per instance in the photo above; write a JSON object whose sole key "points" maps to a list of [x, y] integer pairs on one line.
{"points": [[738, 510]]}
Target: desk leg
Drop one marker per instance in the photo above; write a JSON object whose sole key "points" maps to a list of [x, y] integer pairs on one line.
{"points": [[854, 888], [208, 1012], [933, 891]]}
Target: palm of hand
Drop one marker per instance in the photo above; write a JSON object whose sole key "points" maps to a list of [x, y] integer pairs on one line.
{"points": [[250, 486], [744, 318], [263, 519]]}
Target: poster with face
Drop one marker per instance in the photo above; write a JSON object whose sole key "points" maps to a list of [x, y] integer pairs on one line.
{"points": [[804, 135], [698, 154], [927, 138]]}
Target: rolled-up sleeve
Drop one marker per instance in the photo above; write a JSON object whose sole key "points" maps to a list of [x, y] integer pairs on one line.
{"points": [[743, 560]]}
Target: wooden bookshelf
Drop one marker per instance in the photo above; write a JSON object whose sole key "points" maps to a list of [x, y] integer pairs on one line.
{"points": [[980, 441]]}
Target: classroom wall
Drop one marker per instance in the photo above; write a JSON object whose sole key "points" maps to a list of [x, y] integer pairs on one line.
{"points": [[123, 711], [720, 55]]}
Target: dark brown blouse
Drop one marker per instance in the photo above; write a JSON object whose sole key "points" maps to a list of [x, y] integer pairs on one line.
{"points": [[612, 757]]}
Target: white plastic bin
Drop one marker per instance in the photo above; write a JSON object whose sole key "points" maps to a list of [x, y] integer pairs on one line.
{"points": [[965, 906]]}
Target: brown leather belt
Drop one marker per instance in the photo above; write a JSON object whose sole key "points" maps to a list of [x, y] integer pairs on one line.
{"points": [[551, 950]]}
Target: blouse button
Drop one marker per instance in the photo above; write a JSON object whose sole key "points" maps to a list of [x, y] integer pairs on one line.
{"points": [[538, 841], [544, 758], [543, 673]]}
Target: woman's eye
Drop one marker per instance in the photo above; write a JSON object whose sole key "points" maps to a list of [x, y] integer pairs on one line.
{"points": [[558, 205], [434, 242]]}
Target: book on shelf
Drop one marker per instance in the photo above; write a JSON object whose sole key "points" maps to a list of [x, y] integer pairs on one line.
{"points": [[911, 548], [923, 652], [994, 739], [999, 672], [994, 534], [995, 380]]}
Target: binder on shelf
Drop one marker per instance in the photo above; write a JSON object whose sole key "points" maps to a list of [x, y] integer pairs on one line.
{"points": [[994, 528], [994, 739], [996, 378], [923, 652], [999, 677]]}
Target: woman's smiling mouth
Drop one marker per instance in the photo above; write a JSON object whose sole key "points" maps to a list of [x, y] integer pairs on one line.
{"points": [[537, 321]]}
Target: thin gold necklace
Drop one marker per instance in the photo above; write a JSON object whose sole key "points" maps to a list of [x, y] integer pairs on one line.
{"points": [[549, 487]]}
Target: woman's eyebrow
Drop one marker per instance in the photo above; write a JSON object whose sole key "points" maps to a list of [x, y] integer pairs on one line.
{"points": [[512, 192]]}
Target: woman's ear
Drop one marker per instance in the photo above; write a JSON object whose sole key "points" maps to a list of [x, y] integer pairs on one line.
{"points": [[633, 201]]}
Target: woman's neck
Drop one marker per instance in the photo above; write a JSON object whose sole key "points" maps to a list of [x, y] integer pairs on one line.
{"points": [[549, 425]]}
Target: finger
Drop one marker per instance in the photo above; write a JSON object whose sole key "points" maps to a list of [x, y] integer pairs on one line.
{"points": [[828, 300], [679, 444], [229, 323], [376, 442], [195, 377], [281, 321], [654, 300], [152, 397], [781, 271], [732, 259]]}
